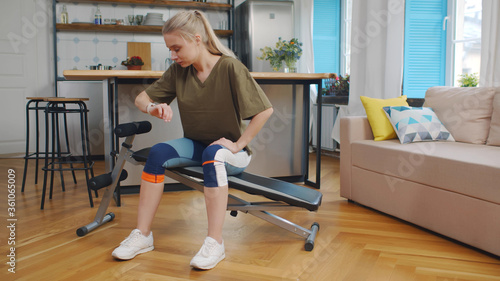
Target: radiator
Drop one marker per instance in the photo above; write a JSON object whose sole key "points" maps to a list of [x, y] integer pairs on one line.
{"points": [[328, 115]]}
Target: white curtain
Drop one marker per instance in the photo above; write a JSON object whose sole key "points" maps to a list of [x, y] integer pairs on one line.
{"points": [[490, 44], [376, 54], [304, 12]]}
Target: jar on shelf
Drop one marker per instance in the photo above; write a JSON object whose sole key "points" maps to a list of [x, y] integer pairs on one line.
{"points": [[64, 15]]}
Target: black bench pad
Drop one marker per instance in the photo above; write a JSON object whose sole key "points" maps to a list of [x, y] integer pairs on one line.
{"points": [[273, 189]]}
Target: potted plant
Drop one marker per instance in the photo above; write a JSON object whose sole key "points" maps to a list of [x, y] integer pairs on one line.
{"points": [[133, 63], [336, 90], [339, 86], [468, 80], [288, 52]]}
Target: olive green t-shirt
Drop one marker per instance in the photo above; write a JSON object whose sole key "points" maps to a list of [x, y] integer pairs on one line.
{"points": [[215, 108]]}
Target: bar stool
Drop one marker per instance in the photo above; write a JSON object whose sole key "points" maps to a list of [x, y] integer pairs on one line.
{"points": [[55, 159], [36, 105]]}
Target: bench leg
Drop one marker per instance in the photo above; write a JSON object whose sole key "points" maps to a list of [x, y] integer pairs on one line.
{"points": [[101, 217], [309, 234]]}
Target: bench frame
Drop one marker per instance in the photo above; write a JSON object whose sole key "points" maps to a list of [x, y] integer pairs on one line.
{"points": [[259, 209]]}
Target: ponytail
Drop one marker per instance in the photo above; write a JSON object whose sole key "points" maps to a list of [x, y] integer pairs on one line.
{"points": [[190, 23]]}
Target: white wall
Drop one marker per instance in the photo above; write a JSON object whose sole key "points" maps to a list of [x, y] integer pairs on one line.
{"points": [[26, 53], [81, 49]]}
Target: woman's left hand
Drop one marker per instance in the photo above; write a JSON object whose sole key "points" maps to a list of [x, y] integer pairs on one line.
{"points": [[227, 144]]}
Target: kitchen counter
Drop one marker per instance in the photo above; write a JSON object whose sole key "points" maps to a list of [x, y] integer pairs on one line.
{"points": [[124, 74], [284, 139]]}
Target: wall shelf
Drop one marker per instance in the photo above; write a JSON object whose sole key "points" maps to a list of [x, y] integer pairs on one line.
{"points": [[173, 4], [80, 27]]}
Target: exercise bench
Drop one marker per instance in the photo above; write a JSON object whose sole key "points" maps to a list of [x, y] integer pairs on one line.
{"points": [[285, 195]]}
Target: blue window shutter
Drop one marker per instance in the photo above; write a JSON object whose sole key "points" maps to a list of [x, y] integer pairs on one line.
{"points": [[424, 46], [326, 36]]}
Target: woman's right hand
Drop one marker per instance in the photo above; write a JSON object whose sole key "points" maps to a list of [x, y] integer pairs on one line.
{"points": [[162, 111]]}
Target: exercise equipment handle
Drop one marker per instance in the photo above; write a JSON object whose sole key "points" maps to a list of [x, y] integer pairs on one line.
{"points": [[132, 128]]}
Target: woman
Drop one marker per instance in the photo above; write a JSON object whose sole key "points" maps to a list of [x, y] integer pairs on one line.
{"points": [[215, 92]]}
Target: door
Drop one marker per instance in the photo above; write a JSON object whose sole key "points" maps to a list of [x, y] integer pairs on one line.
{"points": [[27, 65]]}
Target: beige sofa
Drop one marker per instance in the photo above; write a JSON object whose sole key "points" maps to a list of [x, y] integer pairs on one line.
{"points": [[452, 188]]}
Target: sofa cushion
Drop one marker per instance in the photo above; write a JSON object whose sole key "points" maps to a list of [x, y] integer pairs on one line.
{"points": [[416, 124], [494, 135], [381, 127], [465, 112], [469, 169]]}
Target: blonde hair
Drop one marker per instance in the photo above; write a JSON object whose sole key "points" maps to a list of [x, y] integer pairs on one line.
{"points": [[190, 23]]}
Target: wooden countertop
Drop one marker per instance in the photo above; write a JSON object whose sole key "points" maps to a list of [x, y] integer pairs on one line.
{"points": [[133, 74]]}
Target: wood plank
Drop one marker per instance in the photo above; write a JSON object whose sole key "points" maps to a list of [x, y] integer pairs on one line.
{"points": [[174, 4], [354, 243], [105, 74], [154, 29]]}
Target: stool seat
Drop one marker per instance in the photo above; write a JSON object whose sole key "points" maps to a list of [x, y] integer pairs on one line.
{"points": [[63, 99]]}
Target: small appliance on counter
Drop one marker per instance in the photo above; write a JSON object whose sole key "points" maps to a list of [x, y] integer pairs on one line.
{"points": [[100, 67]]}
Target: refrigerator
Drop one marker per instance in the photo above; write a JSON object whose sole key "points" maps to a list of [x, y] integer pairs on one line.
{"points": [[259, 23], [278, 148]]}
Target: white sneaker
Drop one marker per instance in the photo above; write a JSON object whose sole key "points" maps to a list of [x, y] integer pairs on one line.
{"points": [[210, 254], [136, 243]]}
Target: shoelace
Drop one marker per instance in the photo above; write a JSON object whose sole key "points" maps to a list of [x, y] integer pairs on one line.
{"points": [[209, 247], [131, 239]]}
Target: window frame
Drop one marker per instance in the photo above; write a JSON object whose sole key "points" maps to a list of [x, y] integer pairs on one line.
{"points": [[345, 33], [451, 26]]}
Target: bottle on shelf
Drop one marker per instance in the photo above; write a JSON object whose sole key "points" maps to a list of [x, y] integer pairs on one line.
{"points": [[64, 15], [98, 16]]}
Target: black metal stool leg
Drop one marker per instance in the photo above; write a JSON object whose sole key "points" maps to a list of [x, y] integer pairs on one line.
{"points": [[84, 148], [87, 141], [58, 150], [67, 144], [37, 140], [27, 153], [46, 166], [52, 157]]}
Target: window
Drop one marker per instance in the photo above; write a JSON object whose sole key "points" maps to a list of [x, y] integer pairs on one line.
{"points": [[326, 36], [429, 58], [424, 46], [466, 43]]}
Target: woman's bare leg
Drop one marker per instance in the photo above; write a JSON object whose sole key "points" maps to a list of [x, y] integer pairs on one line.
{"points": [[149, 200], [216, 203]]}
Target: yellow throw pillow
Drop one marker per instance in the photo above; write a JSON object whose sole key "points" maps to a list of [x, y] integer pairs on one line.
{"points": [[381, 127]]}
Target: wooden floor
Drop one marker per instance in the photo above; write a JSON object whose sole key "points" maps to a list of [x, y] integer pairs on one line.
{"points": [[354, 243]]}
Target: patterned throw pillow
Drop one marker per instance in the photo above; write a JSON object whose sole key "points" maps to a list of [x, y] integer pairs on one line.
{"points": [[414, 124]]}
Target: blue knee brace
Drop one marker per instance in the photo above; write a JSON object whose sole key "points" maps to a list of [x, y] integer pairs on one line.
{"points": [[214, 172], [153, 169]]}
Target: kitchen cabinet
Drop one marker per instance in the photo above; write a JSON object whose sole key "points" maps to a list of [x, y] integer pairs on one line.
{"points": [[143, 28]]}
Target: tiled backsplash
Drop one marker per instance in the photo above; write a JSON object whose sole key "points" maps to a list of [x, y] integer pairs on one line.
{"points": [[78, 50]]}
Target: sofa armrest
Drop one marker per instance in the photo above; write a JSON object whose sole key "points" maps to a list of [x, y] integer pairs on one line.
{"points": [[352, 128]]}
